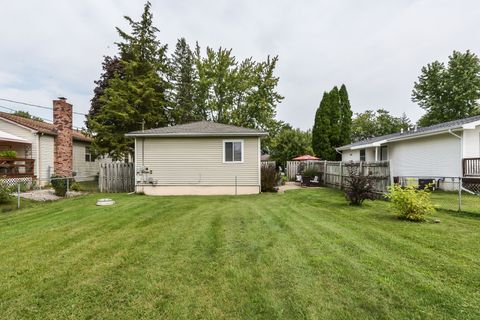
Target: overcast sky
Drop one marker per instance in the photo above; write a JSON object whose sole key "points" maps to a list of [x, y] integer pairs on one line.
{"points": [[54, 48]]}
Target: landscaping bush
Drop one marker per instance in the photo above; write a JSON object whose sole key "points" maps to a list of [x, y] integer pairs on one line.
{"points": [[358, 187], [310, 172], [269, 179], [60, 185], [5, 196], [8, 154], [76, 187], [410, 203]]}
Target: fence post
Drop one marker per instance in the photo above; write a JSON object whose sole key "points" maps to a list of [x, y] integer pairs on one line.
{"points": [[325, 172], [235, 185], [459, 194], [341, 175], [18, 195], [68, 184]]}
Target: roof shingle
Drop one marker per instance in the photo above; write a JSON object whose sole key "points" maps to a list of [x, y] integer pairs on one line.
{"points": [[454, 124], [200, 128]]}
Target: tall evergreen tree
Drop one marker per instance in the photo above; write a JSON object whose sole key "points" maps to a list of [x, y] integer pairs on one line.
{"points": [[137, 98], [335, 115], [184, 77], [345, 117], [332, 121], [321, 143]]}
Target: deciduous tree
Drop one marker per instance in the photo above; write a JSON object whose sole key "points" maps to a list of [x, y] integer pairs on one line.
{"points": [[451, 92]]}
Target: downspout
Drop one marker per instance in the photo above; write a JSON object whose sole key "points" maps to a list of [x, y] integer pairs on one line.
{"points": [[461, 150]]}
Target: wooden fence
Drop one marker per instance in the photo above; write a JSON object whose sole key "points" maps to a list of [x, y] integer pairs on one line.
{"points": [[117, 177], [334, 173]]}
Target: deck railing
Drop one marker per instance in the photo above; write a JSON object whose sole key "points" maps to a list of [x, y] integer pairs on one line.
{"points": [[16, 167], [471, 167]]}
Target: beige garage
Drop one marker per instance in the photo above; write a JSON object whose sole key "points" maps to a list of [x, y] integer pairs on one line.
{"points": [[199, 158]]}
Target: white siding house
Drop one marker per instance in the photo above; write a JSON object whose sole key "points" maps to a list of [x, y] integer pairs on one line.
{"points": [[450, 149], [197, 159], [36, 145]]}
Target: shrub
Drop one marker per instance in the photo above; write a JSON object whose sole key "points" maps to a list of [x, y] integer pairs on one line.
{"points": [[8, 154], [410, 203], [76, 187], [60, 185], [5, 196], [269, 178], [358, 187], [310, 172]]}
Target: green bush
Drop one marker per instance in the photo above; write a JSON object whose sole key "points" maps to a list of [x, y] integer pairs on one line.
{"points": [[410, 203], [59, 184], [76, 187], [310, 172], [5, 196], [8, 154]]}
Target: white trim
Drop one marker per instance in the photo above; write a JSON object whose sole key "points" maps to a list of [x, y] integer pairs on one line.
{"points": [[471, 125], [233, 148], [135, 161], [259, 159]]}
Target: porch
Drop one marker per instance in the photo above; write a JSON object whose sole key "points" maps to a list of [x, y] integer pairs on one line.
{"points": [[16, 167], [15, 157], [471, 167]]}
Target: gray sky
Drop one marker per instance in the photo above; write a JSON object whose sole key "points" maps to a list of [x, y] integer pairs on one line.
{"points": [[54, 48]]}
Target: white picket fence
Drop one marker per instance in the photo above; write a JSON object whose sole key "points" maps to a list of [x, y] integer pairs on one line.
{"points": [[117, 177]]}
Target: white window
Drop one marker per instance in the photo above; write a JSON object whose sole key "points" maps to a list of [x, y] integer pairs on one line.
{"points": [[362, 155], [89, 157], [232, 151]]}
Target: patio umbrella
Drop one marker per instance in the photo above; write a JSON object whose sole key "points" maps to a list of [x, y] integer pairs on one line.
{"points": [[305, 157]]}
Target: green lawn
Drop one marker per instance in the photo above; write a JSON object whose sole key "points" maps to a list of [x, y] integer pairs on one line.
{"points": [[301, 255]]}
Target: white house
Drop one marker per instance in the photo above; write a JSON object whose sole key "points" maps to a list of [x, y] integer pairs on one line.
{"points": [[43, 149], [198, 158], [450, 149]]}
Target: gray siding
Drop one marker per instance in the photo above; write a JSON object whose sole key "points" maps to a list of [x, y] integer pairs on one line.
{"points": [[197, 161]]}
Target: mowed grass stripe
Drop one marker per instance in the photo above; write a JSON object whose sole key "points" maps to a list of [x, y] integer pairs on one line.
{"points": [[301, 255]]}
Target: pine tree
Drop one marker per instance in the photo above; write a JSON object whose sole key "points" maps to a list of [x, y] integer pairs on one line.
{"points": [[137, 98], [345, 117], [184, 79], [332, 124], [321, 144]]}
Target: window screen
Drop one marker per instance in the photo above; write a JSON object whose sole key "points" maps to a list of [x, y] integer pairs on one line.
{"points": [[233, 151]]}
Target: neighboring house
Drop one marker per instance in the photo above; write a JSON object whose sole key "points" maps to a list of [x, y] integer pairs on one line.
{"points": [[198, 158], [450, 149], [44, 149]]}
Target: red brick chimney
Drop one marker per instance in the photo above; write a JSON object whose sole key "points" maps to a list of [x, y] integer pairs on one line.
{"points": [[62, 121]]}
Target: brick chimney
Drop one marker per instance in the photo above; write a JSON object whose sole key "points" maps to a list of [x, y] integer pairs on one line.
{"points": [[62, 121]]}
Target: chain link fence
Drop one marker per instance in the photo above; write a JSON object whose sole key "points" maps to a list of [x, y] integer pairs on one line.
{"points": [[449, 193], [42, 189]]}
